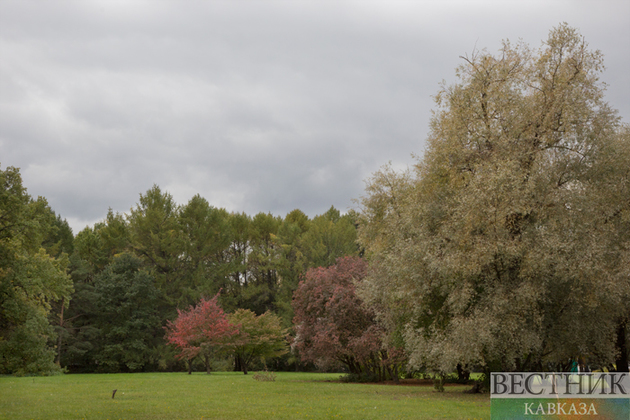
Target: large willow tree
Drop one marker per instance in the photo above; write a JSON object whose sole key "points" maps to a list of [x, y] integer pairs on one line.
{"points": [[508, 244]]}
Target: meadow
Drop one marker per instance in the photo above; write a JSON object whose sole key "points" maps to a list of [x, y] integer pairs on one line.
{"points": [[227, 395]]}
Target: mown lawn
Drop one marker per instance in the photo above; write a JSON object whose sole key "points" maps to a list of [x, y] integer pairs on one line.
{"points": [[228, 395]]}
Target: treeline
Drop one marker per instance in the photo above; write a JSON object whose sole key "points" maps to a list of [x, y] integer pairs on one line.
{"points": [[126, 277]]}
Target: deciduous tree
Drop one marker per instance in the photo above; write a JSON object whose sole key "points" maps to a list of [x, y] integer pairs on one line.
{"points": [[333, 324], [197, 331], [258, 337], [500, 248], [30, 279]]}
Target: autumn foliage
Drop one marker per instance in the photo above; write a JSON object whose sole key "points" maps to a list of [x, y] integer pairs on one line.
{"points": [[199, 329], [333, 324], [205, 329]]}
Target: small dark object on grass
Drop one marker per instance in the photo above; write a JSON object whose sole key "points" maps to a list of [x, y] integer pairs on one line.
{"points": [[114, 393], [364, 377], [265, 376]]}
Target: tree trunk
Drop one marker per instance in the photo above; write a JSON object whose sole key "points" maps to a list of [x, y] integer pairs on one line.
{"points": [[462, 374], [622, 347], [244, 366], [353, 366], [207, 362], [393, 373], [189, 363]]}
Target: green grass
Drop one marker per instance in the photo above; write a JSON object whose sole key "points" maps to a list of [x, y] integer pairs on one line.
{"points": [[228, 395]]}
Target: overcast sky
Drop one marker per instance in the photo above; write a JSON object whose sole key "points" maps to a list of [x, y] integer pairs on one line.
{"points": [[258, 106]]}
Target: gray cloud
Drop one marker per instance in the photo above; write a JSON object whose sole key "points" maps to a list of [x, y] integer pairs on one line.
{"points": [[257, 106]]}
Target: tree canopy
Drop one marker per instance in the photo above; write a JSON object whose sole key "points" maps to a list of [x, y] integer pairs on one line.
{"points": [[333, 325], [30, 279], [126, 315], [259, 337], [199, 330], [507, 245]]}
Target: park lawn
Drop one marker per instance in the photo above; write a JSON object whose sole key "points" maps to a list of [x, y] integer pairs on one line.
{"points": [[227, 395]]}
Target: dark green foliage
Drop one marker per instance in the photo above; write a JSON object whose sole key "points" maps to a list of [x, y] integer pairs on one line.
{"points": [[262, 264], [126, 316], [94, 249], [236, 257], [330, 236], [60, 238], [90, 257], [114, 234], [207, 236], [155, 236], [79, 335]]}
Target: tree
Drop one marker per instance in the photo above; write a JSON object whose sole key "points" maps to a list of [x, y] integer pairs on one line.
{"points": [[608, 243], [333, 324], [258, 337], [155, 237], [197, 331], [329, 236], [126, 316], [206, 238], [486, 253], [59, 238], [77, 327], [292, 262], [301, 244], [262, 264], [113, 233], [30, 280]]}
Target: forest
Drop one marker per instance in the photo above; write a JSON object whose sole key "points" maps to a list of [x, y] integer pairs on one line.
{"points": [[113, 287]]}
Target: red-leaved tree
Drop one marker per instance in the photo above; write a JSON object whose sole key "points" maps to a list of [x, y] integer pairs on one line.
{"points": [[197, 331], [333, 324]]}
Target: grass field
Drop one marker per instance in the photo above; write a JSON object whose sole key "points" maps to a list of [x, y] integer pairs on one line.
{"points": [[228, 395]]}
